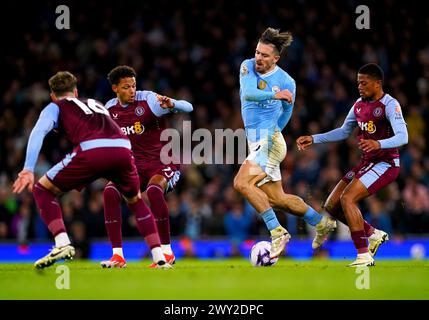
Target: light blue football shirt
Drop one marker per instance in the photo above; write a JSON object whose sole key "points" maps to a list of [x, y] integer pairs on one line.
{"points": [[262, 114]]}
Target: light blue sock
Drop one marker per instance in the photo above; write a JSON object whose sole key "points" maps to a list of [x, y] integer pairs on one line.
{"points": [[270, 219], [312, 217]]}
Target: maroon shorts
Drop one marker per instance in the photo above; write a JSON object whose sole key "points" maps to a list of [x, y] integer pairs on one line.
{"points": [[80, 168], [169, 171], [373, 175]]}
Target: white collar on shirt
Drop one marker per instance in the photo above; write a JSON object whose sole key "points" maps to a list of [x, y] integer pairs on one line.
{"points": [[269, 73]]}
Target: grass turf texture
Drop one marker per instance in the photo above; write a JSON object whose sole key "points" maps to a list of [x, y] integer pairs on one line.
{"points": [[218, 279]]}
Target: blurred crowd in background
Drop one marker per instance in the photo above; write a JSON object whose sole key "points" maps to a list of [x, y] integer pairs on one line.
{"points": [[192, 50]]}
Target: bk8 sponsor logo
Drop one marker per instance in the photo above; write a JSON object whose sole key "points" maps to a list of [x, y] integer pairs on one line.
{"points": [[367, 126], [137, 128]]}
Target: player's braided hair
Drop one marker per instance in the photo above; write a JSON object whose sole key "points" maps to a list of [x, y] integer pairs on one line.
{"points": [[280, 40], [62, 82], [120, 72]]}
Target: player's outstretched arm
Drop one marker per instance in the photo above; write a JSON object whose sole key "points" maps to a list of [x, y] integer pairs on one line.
{"points": [[46, 122], [338, 134], [25, 179], [176, 105], [304, 142]]}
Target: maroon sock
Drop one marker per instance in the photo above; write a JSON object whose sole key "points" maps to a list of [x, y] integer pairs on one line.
{"points": [[113, 215], [369, 229], [145, 223], [49, 208], [160, 210], [360, 241]]}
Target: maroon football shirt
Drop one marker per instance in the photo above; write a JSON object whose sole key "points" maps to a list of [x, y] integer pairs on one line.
{"points": [[373, 124], [86, 119], [142, 126]]}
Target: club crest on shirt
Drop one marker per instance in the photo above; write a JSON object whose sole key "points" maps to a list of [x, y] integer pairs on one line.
{"points": [[262, 84], [139, 111], [244, 70], [276, 89], [377, 112]]}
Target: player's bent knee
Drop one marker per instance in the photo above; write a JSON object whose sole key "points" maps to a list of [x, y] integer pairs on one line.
{"points": [[238, 185], [243, 187], [346, 198], [110, 192], [132, 200]]}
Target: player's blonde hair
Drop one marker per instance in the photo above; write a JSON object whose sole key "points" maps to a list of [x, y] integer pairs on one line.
{"points": [[62, 82], [280, 40]]}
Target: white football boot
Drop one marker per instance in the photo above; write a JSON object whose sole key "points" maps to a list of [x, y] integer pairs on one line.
{"points": [[375, 240], [57, 253], [363, 260], [279, 238], [323, 228]]}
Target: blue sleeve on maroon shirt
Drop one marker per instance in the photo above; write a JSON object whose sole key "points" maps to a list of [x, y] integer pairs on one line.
{"points": [[394, 115], [340, 133], [155, 107], [48, 120]]}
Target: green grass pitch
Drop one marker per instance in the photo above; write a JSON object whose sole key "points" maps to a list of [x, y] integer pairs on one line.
{"points": [[218, 279]]}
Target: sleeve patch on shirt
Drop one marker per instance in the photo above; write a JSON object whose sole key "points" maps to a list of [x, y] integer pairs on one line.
{"points": [[244, 70], [398, 113]]}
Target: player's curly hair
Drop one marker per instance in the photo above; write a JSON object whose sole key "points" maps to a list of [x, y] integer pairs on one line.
{"points": [[116, 74], [62, 82], [373, 70], [280, 40]]}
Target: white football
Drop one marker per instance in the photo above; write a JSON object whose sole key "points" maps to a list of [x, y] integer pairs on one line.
{"points": [[260, 255]]}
